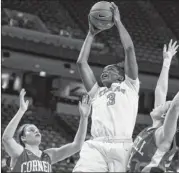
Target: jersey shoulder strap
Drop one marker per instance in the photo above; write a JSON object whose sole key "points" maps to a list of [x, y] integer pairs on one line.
{"points": [[46, 157]]}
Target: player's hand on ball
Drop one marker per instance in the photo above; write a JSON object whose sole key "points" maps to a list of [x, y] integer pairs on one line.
{"points": [[85, 106], [23, 104], [169, 52], [116, 13], [93, 30]]}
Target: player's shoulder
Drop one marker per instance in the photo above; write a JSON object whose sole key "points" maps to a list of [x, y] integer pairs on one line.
{"points": [[147, 131], [143, 132], [133, 84], [102, 88]]}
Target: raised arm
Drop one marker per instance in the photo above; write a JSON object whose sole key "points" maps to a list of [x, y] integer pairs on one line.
{"points": [[170, 122], [11, 146], [131, 67], [162, 84], [86, 73], [58, 154]]}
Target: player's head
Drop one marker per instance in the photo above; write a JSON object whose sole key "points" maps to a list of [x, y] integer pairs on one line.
{"points": [[158, 113], [29, 134], [112, 73]]}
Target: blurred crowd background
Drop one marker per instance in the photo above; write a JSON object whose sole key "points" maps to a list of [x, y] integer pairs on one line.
{"points": [[41, 40]]}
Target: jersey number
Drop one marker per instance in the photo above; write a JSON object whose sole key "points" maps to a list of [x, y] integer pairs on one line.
{"points": [[111, 99]]}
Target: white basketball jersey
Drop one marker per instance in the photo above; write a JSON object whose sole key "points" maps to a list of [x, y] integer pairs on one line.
{"points": [[114, 109]]}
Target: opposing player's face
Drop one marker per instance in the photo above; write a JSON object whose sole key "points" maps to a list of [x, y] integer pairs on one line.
{"points": [[110, 74], [157, 114], [160, 111], [32, 135]]}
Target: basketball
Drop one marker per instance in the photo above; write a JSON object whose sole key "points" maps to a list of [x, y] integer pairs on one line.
{"points": [[101, 15]]}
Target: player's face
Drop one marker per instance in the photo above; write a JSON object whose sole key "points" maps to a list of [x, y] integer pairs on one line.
{"points": [[110, 74], [159, 112], [32, 135]]}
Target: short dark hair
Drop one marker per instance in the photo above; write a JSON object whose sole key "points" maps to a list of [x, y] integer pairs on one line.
{"points": [[120, 70], [20, 133]]}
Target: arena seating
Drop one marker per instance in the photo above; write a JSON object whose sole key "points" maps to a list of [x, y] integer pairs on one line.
{"points": [[169, 10], [147, 39], [52, 14], [73, 121], [69, 18]]}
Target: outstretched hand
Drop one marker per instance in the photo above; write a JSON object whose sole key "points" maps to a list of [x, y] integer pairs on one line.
{"points": [[23, 104], [169, 52], [85, 106]]}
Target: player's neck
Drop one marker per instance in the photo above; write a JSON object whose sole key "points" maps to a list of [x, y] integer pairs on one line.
{"points": [[33, 148], [110, 84], [117, 81], [156, 124]]}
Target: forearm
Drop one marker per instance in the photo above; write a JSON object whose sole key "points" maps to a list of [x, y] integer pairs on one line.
{"points": [[85, 50], [170, 122], [162, 84], [130, 65], [85, 71], [175, 102], [124, 36], [81, 133], [12, 126]]}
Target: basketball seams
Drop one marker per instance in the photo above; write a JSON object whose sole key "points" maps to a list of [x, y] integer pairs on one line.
{"points": [[99, 10]]}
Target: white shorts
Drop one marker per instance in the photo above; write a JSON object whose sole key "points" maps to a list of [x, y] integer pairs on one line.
{"points": [[104, 155]]}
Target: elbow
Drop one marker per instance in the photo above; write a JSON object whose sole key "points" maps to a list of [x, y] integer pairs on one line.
{"points": [[5, 138], [130, 47], [78, 62], [160, 92], [160, 89], [175, 106], [157, 90], [78, 145], [81, 62], [176, 102]]}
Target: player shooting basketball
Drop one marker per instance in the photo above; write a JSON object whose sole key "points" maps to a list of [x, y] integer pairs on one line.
{"points": [[155, 146], [26, 156], [114, 106]]}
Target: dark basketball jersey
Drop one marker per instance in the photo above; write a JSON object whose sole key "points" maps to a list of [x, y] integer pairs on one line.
{"points": [[174, 166], [146, 157], [29, 162]]}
